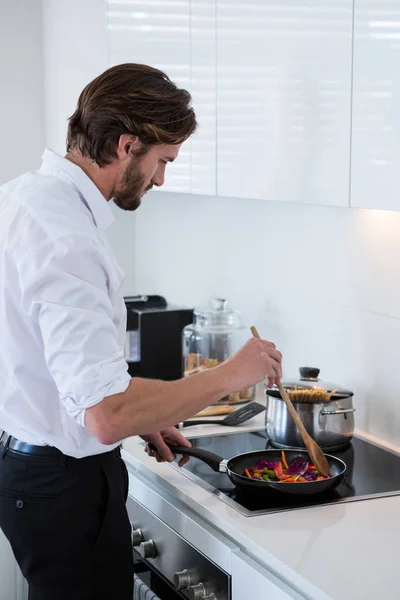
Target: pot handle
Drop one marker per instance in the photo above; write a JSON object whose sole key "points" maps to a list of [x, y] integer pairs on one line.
{"points": [[341, 411], [213, 460]]}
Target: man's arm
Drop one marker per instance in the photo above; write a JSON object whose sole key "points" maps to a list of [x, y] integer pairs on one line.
{"points": [[64, 289], [148, 405]]}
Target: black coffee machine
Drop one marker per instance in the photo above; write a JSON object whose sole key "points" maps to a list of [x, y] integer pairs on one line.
{"points": [[153, 347]]}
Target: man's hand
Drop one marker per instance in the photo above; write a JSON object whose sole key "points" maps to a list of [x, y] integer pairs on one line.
{"points": [[171, 436], [253, 362]]}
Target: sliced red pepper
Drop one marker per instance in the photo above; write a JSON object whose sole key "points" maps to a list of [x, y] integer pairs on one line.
{"points": [[247, 473], [279, 471]]}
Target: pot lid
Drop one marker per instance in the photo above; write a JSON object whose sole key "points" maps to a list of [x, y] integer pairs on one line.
{"points": [[309, 378]]}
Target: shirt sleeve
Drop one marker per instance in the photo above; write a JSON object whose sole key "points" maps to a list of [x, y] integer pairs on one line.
{"points": [[65, 288]]}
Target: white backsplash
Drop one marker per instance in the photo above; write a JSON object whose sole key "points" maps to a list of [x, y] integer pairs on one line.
{"points": [[322, 283]]}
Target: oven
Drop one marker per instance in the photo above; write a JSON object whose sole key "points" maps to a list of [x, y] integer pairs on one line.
{"points": [[167, 567]]}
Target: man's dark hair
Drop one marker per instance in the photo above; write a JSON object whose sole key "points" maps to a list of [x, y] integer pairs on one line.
{"points": [[134, 99]]}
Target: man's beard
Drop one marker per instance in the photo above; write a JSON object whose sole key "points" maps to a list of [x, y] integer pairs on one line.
{"points": [[130, 194]]}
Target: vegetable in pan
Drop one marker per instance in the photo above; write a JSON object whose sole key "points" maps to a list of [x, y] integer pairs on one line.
{"points": [[300, 471]]}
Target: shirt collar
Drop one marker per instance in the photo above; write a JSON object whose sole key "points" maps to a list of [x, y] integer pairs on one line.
{"points": [[65, 169]]}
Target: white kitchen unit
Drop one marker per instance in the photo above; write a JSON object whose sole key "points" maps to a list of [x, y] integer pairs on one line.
{"points": [[271, 86], [375, 164], [12, 584], [179, 39], [284, 99], [203, 88]]}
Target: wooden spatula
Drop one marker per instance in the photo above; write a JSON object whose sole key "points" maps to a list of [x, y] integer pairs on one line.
{"points": [[315, 452]]}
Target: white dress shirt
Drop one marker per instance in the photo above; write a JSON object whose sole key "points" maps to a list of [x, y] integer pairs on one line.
{"points": [[62, 314]]}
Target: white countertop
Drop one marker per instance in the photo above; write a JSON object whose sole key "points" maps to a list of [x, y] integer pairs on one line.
{"points": [[341, 552]]}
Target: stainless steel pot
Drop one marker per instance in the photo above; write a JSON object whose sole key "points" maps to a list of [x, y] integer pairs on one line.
{"points": [[331, 424]]}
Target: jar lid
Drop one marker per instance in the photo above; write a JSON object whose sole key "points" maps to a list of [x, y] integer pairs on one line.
{"points": [[218, 315], [309, 378]]}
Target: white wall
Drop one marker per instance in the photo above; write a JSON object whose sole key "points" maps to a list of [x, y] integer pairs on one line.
{"points": [[22, 141], [323, 283], [75, 52], [21, 87]]}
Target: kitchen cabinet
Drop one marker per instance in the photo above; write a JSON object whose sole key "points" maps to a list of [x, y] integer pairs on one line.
{"points": [[12, 584], [179, 39], [202, 86], [295, 103], [249, 580], [375, 176], [271, 85], [284, 100]]}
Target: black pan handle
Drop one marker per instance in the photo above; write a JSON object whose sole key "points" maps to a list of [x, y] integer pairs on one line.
{"points": [[198, 422], [213, 460]]}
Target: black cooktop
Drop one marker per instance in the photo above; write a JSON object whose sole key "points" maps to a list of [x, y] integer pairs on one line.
{"points": [[371, 472]]}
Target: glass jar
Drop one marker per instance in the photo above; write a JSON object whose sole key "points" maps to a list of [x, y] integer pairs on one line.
{"points": [[214, 336]]}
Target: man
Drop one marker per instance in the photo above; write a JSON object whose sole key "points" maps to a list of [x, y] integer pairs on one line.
{"points": [[66, 399]]}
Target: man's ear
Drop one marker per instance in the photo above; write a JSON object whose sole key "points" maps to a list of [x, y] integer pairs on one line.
{"points": [[127, 144]]}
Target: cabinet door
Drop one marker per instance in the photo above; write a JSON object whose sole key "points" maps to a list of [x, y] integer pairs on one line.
{"points": [[202, 86], [284, 100], [12, 584], [251, 581], [178, 38], [375, 172]]}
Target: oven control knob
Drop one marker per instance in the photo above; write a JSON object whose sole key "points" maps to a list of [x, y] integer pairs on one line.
{"points": [[182, 580], [137, 537], [199, 592], [148, 549]]}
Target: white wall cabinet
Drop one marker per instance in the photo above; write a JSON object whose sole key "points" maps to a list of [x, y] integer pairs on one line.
{"points": [[289, 109], [271, 86], [284, 100], [375, 165], [179, 39]]}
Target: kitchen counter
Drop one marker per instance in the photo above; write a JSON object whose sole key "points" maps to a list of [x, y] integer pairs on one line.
{"points": [[342, 552]]}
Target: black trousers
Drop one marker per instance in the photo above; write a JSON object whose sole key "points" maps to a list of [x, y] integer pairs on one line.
{"points": [[67, 524]]}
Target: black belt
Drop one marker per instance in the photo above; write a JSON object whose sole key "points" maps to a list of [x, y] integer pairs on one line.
{"points": [[10, 443]]}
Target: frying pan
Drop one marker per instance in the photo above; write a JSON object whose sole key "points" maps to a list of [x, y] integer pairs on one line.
{"points": [[234, 468]]}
